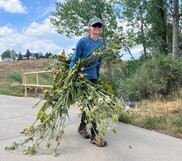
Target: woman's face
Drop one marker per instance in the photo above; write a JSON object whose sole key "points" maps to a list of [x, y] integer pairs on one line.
{"points": [[96, 28]]}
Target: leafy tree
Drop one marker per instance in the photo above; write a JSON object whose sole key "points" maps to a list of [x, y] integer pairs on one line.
{"points": [[151, 22], [6, 54], [157, 17], [72, 17], [28, 54], [20, 56], [41, 55], [47, 55], [148, 21], [37, 55], [134, 13], [13, 55], [164, 26]]}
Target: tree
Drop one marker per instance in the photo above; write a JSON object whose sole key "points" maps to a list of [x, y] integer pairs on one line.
{"points": [[148, 21], [72, 17], [28, 54], [20, 56], [176, 16], [41, 55], [47, 55], [134, 13], [37, 55], [157, 17], [13, 55], [6, 54]]}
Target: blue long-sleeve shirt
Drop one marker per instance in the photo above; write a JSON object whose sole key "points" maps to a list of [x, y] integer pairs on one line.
{"points": [[83, 49]]}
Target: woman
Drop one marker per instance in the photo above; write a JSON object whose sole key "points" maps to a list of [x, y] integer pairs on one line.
{"points": [[85, 47]]}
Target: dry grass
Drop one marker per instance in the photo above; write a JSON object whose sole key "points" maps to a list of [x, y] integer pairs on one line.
{"points": [[24, 65], [159, 107], [163, 116]]}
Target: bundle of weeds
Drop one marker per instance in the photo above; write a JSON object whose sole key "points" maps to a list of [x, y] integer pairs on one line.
{"points": [[70, 87]]}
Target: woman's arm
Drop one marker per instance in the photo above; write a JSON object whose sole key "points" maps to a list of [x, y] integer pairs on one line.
{"points": [[77, 53]]}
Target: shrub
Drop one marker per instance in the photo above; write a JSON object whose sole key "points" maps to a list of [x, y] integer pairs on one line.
{"points": [[159, 75]]}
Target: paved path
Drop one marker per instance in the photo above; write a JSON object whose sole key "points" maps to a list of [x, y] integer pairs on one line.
{"points": [[129, 144]]}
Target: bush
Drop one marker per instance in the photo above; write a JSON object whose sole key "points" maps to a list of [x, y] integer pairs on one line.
{"points": [[119, 75], [131, 67], [159, 75]]}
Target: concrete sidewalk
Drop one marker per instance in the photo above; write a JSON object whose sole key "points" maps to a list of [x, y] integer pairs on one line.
{"points": [[129, 144]]}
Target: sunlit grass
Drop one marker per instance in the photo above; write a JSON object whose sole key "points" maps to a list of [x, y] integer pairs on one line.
{"points": [[161, 116]]}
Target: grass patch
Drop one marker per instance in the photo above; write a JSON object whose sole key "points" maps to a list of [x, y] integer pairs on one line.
{"points": [[177, 121], [15, 76], [125, 117], [151, 122], [162, 116], [11, 92]]}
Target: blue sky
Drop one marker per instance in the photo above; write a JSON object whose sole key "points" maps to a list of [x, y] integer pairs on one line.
{"points": [[25, 24]]}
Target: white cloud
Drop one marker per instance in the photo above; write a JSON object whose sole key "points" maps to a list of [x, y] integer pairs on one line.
{"points": [[40, 45], [5, 31], [21, 41], [35, 37], [9, 38], [12, 6], [40, 29]]}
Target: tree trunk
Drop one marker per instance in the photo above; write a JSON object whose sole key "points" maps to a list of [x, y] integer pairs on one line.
{"points": [[175, 52], [164, 30], [142, 32]]}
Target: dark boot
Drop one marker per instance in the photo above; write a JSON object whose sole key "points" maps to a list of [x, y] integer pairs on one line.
{"points": [[99, 142], [83, 131], [94, 132]]}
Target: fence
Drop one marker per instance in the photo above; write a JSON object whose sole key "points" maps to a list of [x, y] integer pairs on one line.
{"points": [[26, 81]]}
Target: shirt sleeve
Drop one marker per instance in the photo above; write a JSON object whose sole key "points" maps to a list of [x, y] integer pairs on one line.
{"points": [[77, 53]]}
